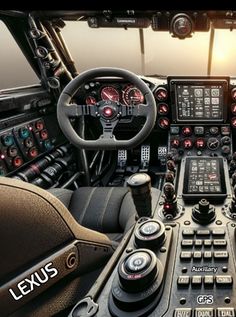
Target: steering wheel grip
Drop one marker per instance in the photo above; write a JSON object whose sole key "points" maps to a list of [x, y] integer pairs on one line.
{"points": [[104, 142]]}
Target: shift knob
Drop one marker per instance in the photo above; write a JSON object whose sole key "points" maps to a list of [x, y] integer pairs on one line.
{"points": [[140, 187]]}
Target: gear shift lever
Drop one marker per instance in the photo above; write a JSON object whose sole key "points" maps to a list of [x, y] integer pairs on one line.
{"points": [[140, 187]]}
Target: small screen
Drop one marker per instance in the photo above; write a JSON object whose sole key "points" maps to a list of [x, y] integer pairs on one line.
{"points": [[199, 102], [204, 177]]}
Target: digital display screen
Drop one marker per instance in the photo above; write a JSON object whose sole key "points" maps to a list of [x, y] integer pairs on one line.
{"points": [[199, 102], [204, 177]]}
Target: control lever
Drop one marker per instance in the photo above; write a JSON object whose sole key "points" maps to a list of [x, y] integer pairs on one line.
{"points": [[203, 212], [140, 187], [170, 208], [171, 166]]}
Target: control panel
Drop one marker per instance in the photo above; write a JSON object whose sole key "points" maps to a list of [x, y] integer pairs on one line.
{"points": [[200, 140], [24, 143]]}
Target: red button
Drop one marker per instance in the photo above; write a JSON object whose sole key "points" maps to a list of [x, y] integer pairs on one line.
{"points": [[44, 134], [108, 112], [33, 152], [17, 161]]}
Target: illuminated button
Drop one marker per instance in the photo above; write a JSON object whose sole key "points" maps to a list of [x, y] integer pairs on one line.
{"points": [[33, 152], [183, 312], [48, 145], [200, 143], [17, 161], [233, 122], [161, 94], [39, 125], [187, 144], [24, 133], [186, 131], [7, 140], [233, 94], [175, 143], [108, 112], [162, 109], [164, 123], [44, 134]]}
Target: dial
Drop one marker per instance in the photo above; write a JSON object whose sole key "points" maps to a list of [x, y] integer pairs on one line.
{"points": [[132, 96], [161, 94], [213, 143], [110, 93], [233, 108], [162, 108], [181, 25], [90, 100], [164, 123]]}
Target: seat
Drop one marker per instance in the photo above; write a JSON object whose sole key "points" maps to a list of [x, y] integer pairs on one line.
{"points": [[48, 260], [109, 210]]}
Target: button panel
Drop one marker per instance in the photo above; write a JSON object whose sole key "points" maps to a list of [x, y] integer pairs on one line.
{"points": [[22, 144]]}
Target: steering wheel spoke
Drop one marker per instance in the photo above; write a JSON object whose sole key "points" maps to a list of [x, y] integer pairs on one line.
{"points": [[141, 110], [74, 110]]}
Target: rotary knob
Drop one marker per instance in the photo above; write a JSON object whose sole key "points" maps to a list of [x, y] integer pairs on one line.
{"points": [[150, 234]]}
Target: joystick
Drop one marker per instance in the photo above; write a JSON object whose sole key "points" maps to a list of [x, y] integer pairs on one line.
{"points": [[170, 208], [140, 187], [203, 212]]}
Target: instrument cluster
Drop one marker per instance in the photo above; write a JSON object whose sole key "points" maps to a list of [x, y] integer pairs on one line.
{"points": [[125, 93]]}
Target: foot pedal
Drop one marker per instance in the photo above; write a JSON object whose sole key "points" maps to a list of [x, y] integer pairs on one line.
{"points": [[145, 157], [121, 159]]}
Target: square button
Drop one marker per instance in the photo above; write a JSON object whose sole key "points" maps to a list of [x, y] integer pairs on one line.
{"points": [[197, 255], [207, 255], [183, 280], [185, 255], [198, 243], [208, 280], [196, 280]]}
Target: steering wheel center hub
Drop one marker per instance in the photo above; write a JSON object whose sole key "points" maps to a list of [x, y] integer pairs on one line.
{"points": [[108, 109]]}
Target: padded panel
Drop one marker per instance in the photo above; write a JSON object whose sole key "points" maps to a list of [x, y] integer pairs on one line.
{"points": [[34, 223]]}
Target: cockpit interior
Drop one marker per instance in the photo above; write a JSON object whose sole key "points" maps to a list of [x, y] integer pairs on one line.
{"points": [[118, 186]]}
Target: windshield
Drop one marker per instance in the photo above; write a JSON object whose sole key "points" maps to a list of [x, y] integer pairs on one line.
{"points": [[162, 54]]}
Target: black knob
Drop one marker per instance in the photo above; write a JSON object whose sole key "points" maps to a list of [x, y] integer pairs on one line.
{"points": [[140, 187], [138, 270], [203, 212], [169, 191], [170, 176], [150, 234], [171, 165]]}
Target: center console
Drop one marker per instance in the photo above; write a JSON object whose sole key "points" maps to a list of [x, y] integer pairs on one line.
{"points": [[180, 258]]}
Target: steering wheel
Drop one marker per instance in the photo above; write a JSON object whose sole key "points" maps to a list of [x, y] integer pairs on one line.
{"points": [[107, 111]]}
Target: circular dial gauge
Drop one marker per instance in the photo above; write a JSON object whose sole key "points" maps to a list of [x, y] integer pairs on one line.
{"points": [[132, 96], [181, 26], [162, 108], [90, 100], [213, 143], [110, 93], [161, 94]]}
